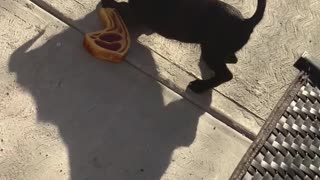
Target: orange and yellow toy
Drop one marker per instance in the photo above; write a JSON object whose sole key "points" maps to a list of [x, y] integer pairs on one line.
{"points": [[112, 43]]}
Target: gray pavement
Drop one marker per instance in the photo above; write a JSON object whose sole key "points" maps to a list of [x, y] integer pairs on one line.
{"points": [[65, 115]]}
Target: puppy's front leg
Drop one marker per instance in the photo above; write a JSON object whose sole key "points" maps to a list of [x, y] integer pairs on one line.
{"points": [[200, 86], [215, 61], [222, 75]]}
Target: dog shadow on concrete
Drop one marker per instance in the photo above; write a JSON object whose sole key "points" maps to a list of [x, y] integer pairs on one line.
{"points": [[113, 119]]}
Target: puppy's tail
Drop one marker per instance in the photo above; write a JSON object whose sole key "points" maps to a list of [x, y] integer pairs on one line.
{"points": [[258, 15]]}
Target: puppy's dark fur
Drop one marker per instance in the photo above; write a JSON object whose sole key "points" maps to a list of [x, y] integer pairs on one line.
{"points": [[218, 27]]}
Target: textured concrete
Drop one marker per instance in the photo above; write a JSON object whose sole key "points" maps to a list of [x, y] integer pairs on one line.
{"points": [[265, 64], [64, 115], [173, 74]]}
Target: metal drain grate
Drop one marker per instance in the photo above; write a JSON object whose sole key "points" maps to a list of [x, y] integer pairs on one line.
{"points": [[288, 145], [293, 148]]}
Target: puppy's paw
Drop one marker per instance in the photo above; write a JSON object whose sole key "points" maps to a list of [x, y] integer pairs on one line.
{"points": [[198, 86]]}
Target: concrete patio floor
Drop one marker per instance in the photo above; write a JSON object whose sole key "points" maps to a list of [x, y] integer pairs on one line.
{"points": [[64, 115]]}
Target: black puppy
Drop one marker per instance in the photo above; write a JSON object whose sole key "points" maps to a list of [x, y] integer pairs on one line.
{"points": [[218, 27]]}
